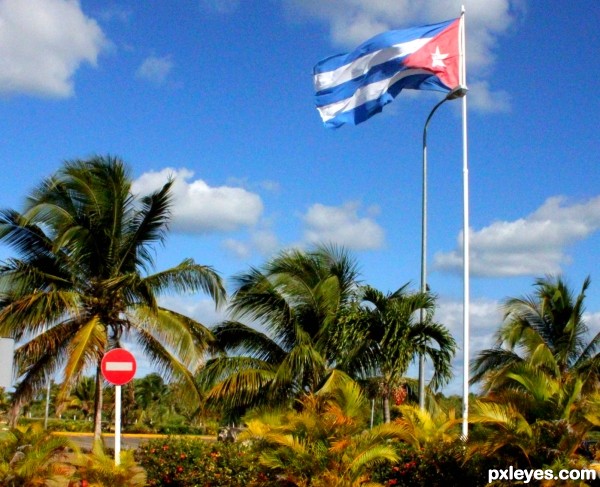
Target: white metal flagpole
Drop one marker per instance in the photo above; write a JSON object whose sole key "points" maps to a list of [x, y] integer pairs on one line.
{"points": [[466, 298]]}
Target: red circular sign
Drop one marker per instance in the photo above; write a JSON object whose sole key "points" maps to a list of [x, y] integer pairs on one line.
{"points": [[118, 366]]}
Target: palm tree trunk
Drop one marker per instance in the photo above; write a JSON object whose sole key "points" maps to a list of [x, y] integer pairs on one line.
{"points": [[13, 414], [98, 405], [387, 417]]}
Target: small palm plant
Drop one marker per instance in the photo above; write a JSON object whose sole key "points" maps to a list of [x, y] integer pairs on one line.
{"points": [[427, 426], [98, 469], [30, 457], [325, 442]]}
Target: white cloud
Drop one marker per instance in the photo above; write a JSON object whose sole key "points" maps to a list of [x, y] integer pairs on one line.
{"points": [[200, 309], [262, 241], [485, 318], [592, 321], [200, 208], [483, 99], [155, 69], [342, 225], [532, 245], [241, 250], [43, 43], [353, 21]]}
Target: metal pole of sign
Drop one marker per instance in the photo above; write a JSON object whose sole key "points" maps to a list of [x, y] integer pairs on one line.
{"points": [[117, 425], [118, 367]]}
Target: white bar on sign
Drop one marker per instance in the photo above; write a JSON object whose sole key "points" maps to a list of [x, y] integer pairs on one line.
{"points": [[119, 366]]}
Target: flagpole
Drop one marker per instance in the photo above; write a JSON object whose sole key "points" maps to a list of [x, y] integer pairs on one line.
{"points": [[466, 297], [457, 92]]}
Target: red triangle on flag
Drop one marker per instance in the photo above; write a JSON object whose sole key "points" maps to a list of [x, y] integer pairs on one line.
{"points": [[440, 55]]}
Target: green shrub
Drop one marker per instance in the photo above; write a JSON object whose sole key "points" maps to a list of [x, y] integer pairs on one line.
{"points": [[179, 429], [179, 462]]}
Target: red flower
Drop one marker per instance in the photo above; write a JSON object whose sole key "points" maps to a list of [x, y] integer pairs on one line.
{"points": [[183, 456], [180, 469], [392, 482]]}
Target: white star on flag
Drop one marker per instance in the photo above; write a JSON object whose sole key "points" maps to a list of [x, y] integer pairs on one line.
{"points": [[437, 58]]}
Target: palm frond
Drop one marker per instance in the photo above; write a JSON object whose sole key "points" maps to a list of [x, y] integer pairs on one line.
{"points": [[235, 337], [189, 277]]}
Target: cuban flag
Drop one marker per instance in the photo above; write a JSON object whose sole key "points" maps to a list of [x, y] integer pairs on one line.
{"points": [[352, 87]]}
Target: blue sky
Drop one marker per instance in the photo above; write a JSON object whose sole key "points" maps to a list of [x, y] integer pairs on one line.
{"points": [[219, 94]]}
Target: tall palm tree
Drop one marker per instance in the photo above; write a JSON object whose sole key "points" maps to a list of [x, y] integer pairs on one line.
{"points": [[545, 332], [81, 397], [392, 334], [150, 389], [83, 282], [296, 299]]}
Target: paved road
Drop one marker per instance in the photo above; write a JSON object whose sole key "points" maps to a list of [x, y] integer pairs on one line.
{"points": [[128, 441]]}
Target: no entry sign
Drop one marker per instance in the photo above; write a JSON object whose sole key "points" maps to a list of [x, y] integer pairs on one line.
{"points": [[118, 366]]}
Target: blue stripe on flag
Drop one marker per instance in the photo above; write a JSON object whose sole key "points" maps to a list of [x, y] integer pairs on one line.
{"points": [[381, 41], [372, 107], [347, 89]]}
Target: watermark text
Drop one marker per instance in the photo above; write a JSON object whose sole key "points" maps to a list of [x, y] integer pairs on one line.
{"points": [[527, 475]]}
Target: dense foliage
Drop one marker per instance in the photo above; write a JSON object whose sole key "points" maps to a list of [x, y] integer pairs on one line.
{"points": [[306, 354], [189, 463]]}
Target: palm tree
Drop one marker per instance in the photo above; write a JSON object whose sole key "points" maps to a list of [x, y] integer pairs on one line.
{"points": [[81, 397], [296, 298], [83, 280], [392, 334], [541, 378], [545, 332], [149, 390]]}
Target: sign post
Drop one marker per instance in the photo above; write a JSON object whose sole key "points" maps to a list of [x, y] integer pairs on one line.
{"points": [[118, 367]]}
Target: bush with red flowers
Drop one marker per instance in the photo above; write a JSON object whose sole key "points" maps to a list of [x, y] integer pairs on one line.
{"points": [[440, 464], [178, 462]]}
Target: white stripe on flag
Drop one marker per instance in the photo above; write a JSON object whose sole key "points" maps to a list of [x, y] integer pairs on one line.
{"points": [[360, 66], [365, 94], [119, 366]]}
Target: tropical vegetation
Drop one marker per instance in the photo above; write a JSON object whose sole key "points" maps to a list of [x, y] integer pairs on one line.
{"points": [[294, 302], [311, 363], [541, 396], [82, 282]]}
